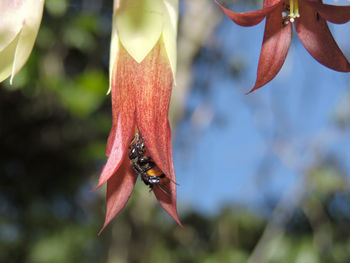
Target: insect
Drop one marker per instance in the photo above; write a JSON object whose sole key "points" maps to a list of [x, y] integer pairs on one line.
{"points": [[285, 18], [144, 166]]}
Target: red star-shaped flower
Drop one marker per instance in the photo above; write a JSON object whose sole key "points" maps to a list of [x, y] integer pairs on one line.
{"points": [[310, 18]]}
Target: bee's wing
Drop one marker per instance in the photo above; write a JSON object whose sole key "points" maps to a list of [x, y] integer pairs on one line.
{"points": [[164, 188]]}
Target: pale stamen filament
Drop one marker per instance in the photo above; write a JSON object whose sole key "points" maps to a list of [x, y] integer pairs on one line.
{"points": [[291, 8], [290, 12], [294, 10]]}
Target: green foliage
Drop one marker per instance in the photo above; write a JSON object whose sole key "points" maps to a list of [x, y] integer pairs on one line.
{"points": [[84, 94], [64, 245], [56, 8]]}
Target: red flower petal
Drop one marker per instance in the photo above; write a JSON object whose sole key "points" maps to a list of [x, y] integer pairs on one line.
{"points": [[314, 33], [123, 109], [277, 38], [111, 137], [153, 98], [123, 90], [332, 13], [155, 82], [168, 200], [254, 17], [119, 189], [122, 137]]}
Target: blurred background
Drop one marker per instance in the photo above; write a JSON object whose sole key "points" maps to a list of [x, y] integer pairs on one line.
{"points": [[262, 177]]}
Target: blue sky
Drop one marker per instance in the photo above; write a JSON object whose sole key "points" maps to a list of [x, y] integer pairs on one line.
{"points": [[228, 135]]}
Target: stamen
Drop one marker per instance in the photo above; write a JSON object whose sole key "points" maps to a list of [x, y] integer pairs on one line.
{"points": [[291, 7], [290, 12], [297, 8]]}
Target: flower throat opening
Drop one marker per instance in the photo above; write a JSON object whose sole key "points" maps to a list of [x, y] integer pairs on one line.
{"points": [[290, 11]]}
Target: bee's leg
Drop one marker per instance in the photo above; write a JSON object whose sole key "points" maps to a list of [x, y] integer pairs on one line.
{"points": [[140, 144], [145, 178], [135, 139], [137, 168], [132, 153]]}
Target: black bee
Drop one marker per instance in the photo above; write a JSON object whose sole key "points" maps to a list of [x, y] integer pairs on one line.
{"points": [[145, 167]]}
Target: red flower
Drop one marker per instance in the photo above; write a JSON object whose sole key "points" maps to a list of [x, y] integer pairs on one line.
{"points": [[309, 17], [140, 100], [141, 69]]}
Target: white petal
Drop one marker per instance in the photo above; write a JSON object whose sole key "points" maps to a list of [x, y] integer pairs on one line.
{"points": [[19, 25], [6, 59], [34, 13], [12, 14]]}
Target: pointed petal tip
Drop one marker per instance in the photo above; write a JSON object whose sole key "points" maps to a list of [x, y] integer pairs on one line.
{"points": [[251, 18], [105, 224], [216, 2], [103, 227], [93, 190], [175, 217], [168, 202], [116, 148], [341, 68], [179, 222], [104, 178], [252, 90], [96, 187], [274, 50], [258, 84], [119, 189]]}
